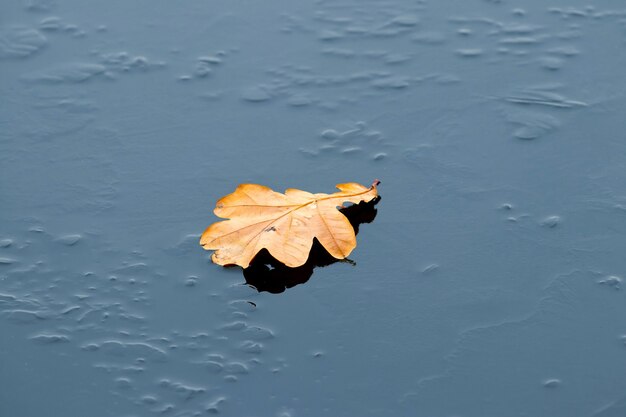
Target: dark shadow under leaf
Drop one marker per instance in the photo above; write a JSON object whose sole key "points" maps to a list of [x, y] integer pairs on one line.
{"points": [[265, 273]]}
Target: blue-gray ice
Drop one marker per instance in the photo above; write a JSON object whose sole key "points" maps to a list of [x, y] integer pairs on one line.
{"points": [[489, 285]]}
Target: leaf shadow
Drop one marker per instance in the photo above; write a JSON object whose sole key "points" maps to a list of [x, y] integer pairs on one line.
{"points": [[265, 273]]}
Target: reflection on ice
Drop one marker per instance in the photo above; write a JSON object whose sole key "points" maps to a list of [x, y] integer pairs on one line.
{"points": [[267, 274]]}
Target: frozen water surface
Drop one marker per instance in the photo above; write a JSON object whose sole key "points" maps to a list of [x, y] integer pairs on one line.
{"points": [[489, 284]]}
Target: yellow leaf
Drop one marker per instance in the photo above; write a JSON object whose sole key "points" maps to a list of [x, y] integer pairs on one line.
{"points": [[284, 224]]}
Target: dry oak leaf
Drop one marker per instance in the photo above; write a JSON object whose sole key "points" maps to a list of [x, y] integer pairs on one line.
{"points": [[284, 224]]}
